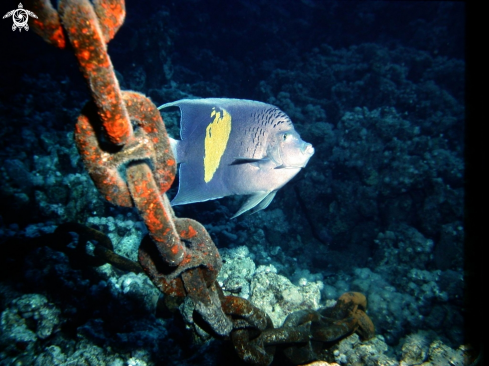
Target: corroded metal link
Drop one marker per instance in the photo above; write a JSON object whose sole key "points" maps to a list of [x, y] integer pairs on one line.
{"points": [[346, 304], [111, 14], [351, 305], [103, 252], [327, 331], [366, 328], [319, 331], [149, 143], [250, 326], [47, 24], [305, 332], [251, 348], [144, 187], [155, 210], [245, 314], [88, 30], [206, 300], [88, 42], [194, 277], [287, 335], [200, 251], [157, 269]]}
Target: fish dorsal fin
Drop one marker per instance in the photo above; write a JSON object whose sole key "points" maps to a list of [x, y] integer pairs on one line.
{"points": [[194, 115], [256, 202], [196, 112]]}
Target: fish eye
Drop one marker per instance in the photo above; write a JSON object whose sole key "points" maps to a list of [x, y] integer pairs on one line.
{"points": [[286, 136]]}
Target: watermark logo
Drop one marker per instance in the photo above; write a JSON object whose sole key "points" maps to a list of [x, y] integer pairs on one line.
{"points": [[20, 17]]}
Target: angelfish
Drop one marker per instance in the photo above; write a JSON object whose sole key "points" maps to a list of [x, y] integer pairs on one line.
{"points": [[235, 147]]}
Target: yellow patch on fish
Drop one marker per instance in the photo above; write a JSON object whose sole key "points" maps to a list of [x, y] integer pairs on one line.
{"points": [[216, 139]]}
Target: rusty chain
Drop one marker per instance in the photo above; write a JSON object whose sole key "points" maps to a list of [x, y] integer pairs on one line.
{"points": [[125, 148]]}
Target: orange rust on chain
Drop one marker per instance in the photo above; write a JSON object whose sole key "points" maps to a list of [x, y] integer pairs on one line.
{"points": [[172, 288], [143, 188], [111, 14], [355, 298], [349, 312], [151, 263], [366, 328], [237, 306], [347, 304], [201, 255], [150, 206], [188, 233], [98, 162], [101, 163], [47, 24], [153, 222], [88, 43], [186, 260], [234, 305]]}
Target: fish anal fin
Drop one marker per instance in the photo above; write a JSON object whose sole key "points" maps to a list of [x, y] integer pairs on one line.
{"points": [[288, 167], [256, 202], [265, 202]]}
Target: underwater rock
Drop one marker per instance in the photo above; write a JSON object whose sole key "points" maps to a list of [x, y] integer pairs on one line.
{"points": [[27, 319], [415, 349], [278, 296], [351, 351]]}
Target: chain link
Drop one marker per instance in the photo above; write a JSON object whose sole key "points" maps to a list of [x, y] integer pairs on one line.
{"points": [[305, 334]]}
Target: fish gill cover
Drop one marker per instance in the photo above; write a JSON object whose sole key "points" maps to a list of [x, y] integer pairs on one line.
{"points": [[378, 88]]}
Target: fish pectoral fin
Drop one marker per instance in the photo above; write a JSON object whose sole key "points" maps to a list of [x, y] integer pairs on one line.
{"points": [[238, 161], [256, 202]]}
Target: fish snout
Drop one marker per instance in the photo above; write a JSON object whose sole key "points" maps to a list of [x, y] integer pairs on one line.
{"points": [[308, 149]]}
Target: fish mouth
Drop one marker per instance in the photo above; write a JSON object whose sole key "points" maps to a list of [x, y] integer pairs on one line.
{"points": [[308, 150]]}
